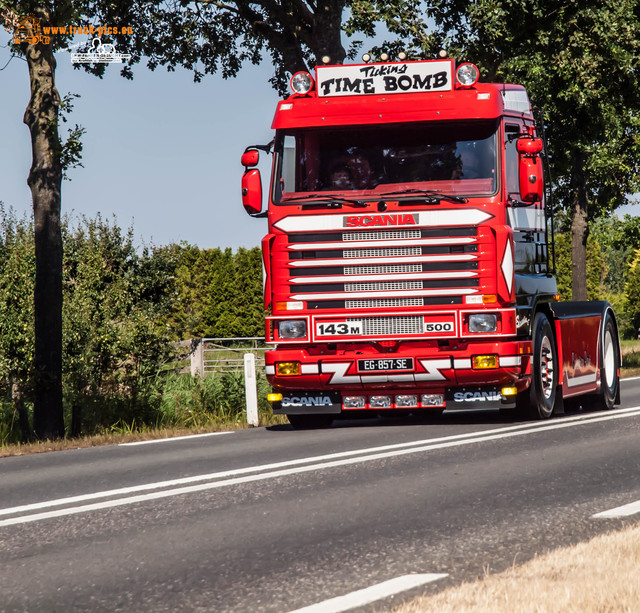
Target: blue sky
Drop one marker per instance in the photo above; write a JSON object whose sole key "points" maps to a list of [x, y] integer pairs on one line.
{"points": [[161, 152]]}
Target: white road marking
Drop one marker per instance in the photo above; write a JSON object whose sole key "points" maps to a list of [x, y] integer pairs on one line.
{"points": [[278, 465], [374, 453], [624, 511], [174, 438], [370, 594]]}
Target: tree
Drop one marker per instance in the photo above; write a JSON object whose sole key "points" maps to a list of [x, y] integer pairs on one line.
{"points": [[597, 268], [210, 35], [51, 158], [204, 36], [580, 64]]}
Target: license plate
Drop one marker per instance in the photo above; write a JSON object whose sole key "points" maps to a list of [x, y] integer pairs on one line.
{"points": [[384, 364]]}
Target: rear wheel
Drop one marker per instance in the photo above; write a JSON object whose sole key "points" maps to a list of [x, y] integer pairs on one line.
{"points": [[538, 402], [609, 365], [310, 422]]}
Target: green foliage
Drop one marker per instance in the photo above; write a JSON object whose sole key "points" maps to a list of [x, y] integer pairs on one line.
{"points": [[632, 296], [71, 149], [114, 297], [122, 305], [619, 239], [186, 401], [596, 268], [219, 293], [17, 274], [580, 63]]}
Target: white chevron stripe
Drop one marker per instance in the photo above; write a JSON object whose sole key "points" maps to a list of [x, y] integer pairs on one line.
{"points": [[406, 242], [462, 257], [464, 274]]}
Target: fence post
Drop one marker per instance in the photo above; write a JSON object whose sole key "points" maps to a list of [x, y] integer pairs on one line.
{"points": [[197, 357], [251, 388]]}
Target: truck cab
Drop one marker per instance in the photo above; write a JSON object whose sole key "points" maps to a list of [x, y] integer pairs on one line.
{"points": [[408, 254]]}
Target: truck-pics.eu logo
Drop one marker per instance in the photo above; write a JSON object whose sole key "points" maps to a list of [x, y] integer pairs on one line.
{"points": [[100, 53]]}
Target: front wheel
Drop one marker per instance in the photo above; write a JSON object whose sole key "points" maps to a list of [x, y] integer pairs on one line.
{"points": [[538, 402], [310, 422]]}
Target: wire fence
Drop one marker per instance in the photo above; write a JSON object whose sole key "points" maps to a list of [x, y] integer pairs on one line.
{"points": [[219, 355]]}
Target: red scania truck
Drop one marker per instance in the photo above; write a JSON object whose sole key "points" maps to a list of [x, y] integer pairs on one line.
{"points": [[409, 256]]}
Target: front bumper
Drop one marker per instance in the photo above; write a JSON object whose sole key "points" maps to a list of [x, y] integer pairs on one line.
{"points": [[408, 366]]}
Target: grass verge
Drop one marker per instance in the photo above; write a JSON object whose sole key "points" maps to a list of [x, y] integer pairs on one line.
{"points": [[127, 435], [598, 576], [630, 358]]}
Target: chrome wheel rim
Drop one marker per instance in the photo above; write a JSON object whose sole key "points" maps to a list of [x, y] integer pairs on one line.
{"points": [[609, 360], [546, 367]]}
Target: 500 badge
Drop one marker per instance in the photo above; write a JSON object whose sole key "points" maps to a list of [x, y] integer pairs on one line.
{"points": [[438, 326]]}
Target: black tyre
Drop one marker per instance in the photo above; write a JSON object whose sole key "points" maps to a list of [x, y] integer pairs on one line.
{"points": [[538, 402], [310, 422], [609, 365]]}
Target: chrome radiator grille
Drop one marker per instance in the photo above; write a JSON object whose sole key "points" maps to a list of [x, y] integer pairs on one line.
{"points": [[406, 270], [390, 326]]}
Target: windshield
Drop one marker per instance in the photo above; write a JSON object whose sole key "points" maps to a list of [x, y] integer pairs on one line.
{"points": [[370, 161]]}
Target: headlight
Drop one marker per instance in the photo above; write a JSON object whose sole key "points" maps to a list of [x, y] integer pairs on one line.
{"points": [[483, 322], [467, 75], [292, 328], [301, 83]]}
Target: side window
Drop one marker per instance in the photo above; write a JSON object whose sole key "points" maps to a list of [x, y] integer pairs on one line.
{"points": [[511, 160], [289, 164]]}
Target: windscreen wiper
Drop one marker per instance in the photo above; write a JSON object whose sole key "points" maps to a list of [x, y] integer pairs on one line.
{"points": [[430, 196], [328, 202]]}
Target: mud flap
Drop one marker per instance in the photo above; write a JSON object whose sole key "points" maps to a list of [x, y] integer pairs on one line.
{"points": [[558, 403]]}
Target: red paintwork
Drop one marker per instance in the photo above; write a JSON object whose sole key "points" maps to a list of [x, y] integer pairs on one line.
{"points": [[578, 355], [530, 172], [250, 158], [252, 191]]}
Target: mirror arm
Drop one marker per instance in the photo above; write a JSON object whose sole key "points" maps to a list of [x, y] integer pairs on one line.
{"points": [[260, 215], [518, 204], [266, 148]]}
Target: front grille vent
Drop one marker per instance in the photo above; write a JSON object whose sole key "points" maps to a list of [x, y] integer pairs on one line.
{"points": [[382, 270], [380, 253], [383, 303], [383, 286], [381, 236], [388, 326]]}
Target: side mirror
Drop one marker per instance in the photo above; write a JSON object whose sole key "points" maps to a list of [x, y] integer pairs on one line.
{"points": [[528, 145], [252, 190], [530, 175], [530, 169], [250, 158]]}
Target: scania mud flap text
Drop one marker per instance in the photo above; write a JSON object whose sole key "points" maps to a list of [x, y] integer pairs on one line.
{"points": [[477, 398], [304, 403]]}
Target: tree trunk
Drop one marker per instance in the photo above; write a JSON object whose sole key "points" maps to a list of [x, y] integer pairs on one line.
{"points": [[327, 31], [579, 229], [45, 178]]}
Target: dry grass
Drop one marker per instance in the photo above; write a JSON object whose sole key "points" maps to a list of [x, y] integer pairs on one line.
{"points": [[630, 359], [600, 576], [115, 438]]}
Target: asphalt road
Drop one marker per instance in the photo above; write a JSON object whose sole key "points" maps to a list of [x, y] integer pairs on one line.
{"points": [[277, 520]]}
